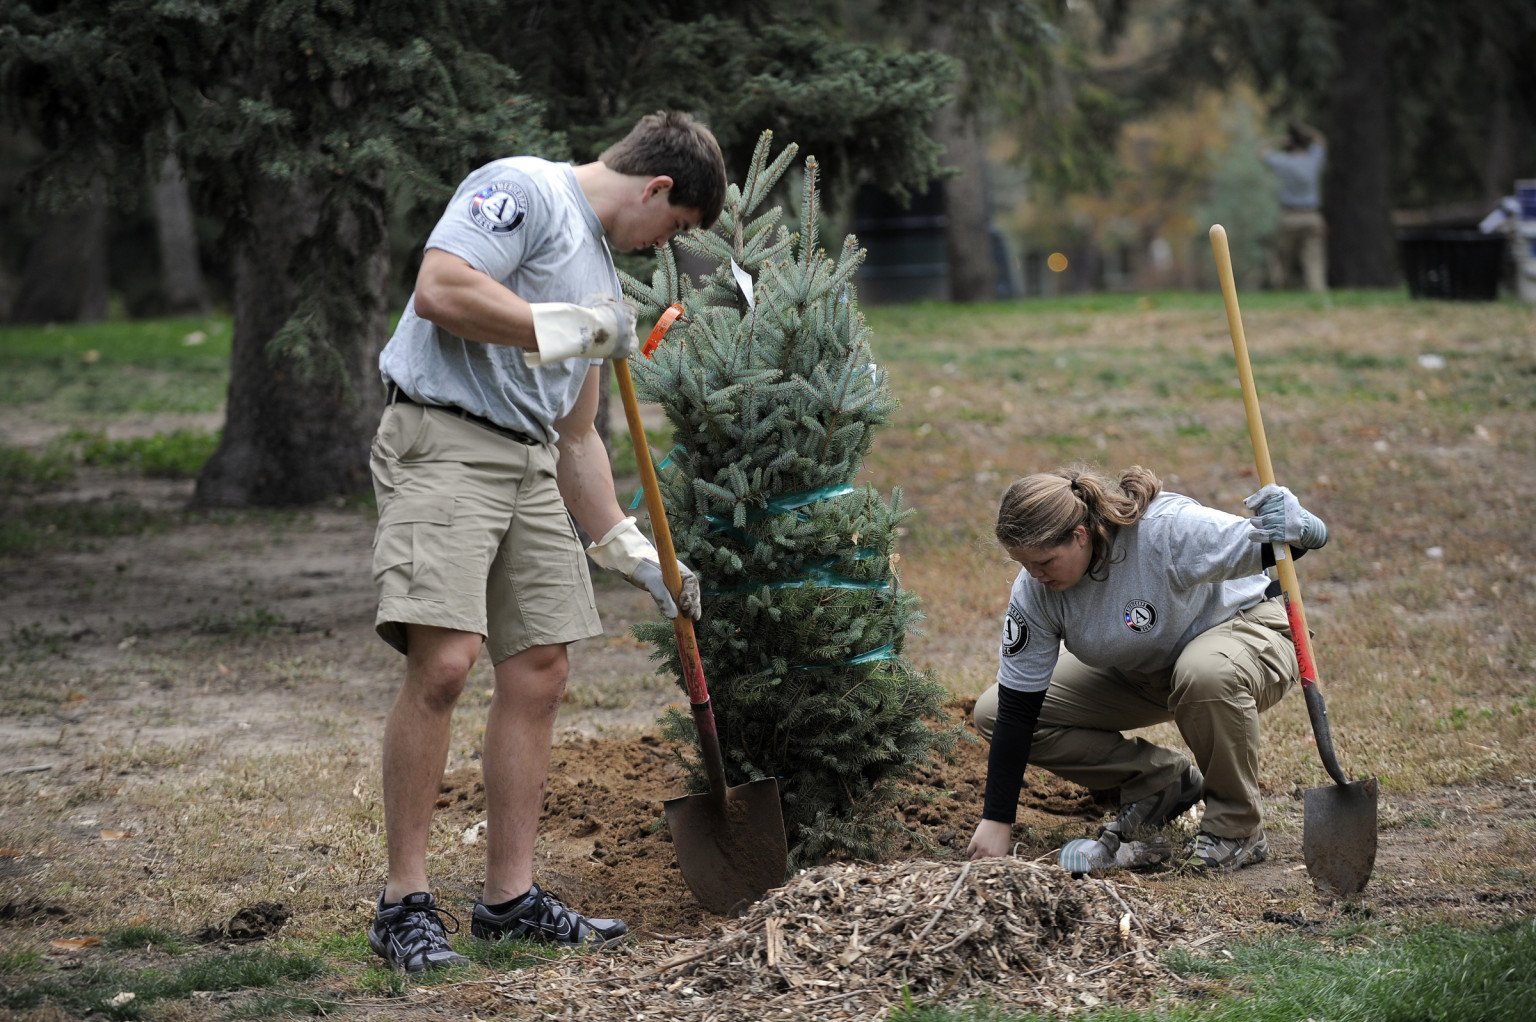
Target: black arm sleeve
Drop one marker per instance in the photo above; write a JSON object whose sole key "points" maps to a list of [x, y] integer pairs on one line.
{"points": [[1017, 713], [1267, 555]]}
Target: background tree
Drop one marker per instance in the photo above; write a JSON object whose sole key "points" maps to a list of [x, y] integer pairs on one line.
{"points": [[775, 402], [863, 107], [290, 120], [1424, 103]]}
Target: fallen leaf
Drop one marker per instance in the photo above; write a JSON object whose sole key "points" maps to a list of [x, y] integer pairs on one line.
{"points": [[8, 853], [116, 835], [73, 943], [223, 669]]}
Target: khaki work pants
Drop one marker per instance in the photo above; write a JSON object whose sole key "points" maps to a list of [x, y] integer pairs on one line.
{"points": [[1299, 256], [1214, 692]]}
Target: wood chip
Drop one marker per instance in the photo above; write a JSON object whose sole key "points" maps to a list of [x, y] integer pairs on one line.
{"points": [[851, 941]]}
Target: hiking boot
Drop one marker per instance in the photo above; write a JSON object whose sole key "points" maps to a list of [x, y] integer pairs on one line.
{"points": [[410, 935], [1161, 806], [1213, 853], [543, 917]]}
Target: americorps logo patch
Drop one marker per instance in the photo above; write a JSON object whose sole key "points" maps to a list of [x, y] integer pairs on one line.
{"points": [[1140, 616], [1015, 631], [499, 208]]}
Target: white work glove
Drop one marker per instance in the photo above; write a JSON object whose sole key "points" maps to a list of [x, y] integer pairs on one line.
{"points": [[605, 328], [626, 551], [1085, 856], [1278, 517]]}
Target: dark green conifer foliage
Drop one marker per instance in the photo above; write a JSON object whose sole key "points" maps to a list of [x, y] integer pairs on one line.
{"points": [[775, 404], [299, 123]]}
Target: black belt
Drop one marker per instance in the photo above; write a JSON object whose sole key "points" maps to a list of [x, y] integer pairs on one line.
{"points": [[396, 395]]}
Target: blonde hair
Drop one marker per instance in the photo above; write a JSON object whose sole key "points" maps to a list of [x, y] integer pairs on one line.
{"points": [[1043, 510]]}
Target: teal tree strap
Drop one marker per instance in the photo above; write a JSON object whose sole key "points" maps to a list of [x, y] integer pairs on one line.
{"points": [[819, 574], [665, 462], [886, 652], [780, 505]]}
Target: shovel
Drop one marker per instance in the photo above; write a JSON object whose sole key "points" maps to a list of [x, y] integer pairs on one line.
{"points": [[730, 842], [1338, 838]]}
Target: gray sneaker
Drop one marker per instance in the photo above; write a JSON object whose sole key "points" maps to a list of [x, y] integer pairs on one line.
{"points": [[1213, 853], [410, 935], [1158, 808], [543, 917]]}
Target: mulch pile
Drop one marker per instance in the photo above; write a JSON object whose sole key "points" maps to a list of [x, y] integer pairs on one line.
{"points": [[850, 941]]}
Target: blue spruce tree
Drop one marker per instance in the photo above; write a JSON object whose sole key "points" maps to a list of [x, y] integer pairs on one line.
{"points": [[774, 400]]}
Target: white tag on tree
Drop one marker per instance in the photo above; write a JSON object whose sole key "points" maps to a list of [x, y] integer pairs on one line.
{"points": [[743, 281]]}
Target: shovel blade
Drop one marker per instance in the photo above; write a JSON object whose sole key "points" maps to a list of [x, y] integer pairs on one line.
{"points": [[731, 851], [1338, 838]]}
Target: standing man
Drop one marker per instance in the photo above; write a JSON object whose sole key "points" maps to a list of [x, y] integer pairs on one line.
{"points": [[1299, 239], [485, 453]]}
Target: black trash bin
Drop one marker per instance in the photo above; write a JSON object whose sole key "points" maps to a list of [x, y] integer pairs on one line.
{"points": [[1459, 265]]}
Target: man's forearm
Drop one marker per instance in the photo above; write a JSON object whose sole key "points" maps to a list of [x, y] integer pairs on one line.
{"points": [[585, 477]]}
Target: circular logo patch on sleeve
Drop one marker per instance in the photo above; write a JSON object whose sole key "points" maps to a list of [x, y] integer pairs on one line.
{"points": [[1140, 616], [499, 208], [1015, 631]]}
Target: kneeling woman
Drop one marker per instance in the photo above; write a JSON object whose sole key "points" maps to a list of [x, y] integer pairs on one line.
{"points": [[1166, 614]]}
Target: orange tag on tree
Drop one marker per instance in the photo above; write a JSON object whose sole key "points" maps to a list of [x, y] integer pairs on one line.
{"points": [[663, 324]]}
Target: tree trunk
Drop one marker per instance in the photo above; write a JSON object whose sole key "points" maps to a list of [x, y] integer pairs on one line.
{"points": [[181, 276], [65, 276], [289, 439], [967, 239], [967, 236], [1357, 182]]}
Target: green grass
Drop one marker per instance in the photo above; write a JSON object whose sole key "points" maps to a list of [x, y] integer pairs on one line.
{"points": [[144, 366], [1436, 973], [92, 989], [179, 454], [73, 524], [139, 938]]}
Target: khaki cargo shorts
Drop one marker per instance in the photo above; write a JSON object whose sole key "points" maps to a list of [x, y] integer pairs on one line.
{"points": [[473, 536]]}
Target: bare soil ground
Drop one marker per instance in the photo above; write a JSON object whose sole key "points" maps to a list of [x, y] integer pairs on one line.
{"points": [[191, 720]]}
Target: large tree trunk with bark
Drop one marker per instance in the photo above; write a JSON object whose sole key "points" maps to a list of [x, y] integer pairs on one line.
{"points": [[967, 238], [64, 279], [289, 438], [1358, 179], [181, 274]]}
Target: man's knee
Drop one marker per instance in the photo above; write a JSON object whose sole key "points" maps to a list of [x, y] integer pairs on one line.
{"points": [[535, 677], [439, 664]]}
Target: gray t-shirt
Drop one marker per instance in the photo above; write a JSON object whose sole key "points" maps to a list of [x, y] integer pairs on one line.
{"points": [[1299, 174], [1181, 570], [525, 223]]}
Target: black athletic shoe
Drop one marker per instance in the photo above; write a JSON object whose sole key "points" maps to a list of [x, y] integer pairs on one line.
{"points": [[410, 935], [543, 917]]}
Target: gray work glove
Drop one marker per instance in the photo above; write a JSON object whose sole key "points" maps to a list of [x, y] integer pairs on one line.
{"points": [[1278, 517], [626, 551], [602, 328], [1108, 851]]}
